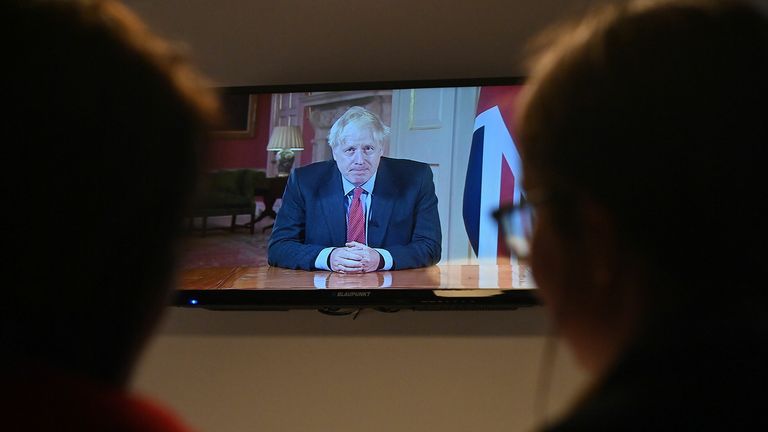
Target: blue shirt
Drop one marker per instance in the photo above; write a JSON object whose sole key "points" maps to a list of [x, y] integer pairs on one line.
{"points": [[321, 262]]}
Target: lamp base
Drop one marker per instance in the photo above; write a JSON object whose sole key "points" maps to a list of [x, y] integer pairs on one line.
{"points": [[285, 160]]}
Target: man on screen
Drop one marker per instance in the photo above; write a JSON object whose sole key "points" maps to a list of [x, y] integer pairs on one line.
{"points": [[360, 212]]}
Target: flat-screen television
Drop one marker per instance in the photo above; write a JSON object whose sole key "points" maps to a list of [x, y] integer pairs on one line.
{"points": [[273, 207]]}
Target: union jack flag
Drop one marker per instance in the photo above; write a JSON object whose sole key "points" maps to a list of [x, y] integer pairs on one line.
{"points": [[494, 171]]}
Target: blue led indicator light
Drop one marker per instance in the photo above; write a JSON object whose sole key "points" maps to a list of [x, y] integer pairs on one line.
{"points": [[193, 301]]}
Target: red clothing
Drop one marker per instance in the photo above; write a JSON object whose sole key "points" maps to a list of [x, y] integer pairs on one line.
{"points": [[49, 402]]}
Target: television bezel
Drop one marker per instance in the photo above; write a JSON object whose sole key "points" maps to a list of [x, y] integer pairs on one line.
{"points": [[341, 300]]}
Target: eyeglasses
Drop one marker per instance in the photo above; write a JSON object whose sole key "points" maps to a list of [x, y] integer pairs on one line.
{"points": [[517, 223]]}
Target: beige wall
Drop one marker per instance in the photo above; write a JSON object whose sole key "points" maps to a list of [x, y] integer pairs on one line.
{"points": [[300, 370], [407, 371], [248, 42]]}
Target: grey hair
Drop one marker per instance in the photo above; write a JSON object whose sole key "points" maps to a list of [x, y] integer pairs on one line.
{"points": [[360, 117]]}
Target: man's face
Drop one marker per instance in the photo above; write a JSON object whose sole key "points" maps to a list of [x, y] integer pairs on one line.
{"points": [[357, 155]]}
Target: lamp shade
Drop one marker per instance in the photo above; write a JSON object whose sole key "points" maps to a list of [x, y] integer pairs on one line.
{"points": [[285, 138]]}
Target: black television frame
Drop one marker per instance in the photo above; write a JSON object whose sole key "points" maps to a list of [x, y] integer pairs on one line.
{"points": [[345, 300]]}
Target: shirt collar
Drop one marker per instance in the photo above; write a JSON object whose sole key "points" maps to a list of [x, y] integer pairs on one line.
{"points": [[367, 186]]}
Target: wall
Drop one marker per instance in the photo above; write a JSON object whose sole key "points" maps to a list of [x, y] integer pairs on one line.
{"points": [[300, 370], [406, 371], [246, 152]]}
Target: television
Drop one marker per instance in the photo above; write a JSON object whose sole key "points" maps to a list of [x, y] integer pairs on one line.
{"points": [[462, 129]]}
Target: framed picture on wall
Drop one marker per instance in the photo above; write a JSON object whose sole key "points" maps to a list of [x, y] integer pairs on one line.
{"points": [[239, 116]]}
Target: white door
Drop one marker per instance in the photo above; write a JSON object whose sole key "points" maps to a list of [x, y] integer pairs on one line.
{"points": [[435, 126]]}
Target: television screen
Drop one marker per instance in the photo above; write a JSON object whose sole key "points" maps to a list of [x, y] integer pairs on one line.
{"points": [[274, 224]]}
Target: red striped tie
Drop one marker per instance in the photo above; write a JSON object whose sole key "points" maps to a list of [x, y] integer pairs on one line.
{"points": [[356, 224]]}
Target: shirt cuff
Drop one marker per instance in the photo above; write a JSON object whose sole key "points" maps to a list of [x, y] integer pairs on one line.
{"points": [[321, 262], [388, 261]]}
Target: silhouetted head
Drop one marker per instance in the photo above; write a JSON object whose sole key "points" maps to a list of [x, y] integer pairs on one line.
{"points": [[644, 134], [103, 128]]}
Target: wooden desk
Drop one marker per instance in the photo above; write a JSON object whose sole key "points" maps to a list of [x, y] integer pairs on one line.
{"points": [[436, 277]]}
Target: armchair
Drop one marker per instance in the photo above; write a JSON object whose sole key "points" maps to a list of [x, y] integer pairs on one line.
{"points": [[228, 193]]}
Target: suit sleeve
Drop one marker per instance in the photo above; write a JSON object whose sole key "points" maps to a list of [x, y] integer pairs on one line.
{"points": [[425, 247], [286, 244]]}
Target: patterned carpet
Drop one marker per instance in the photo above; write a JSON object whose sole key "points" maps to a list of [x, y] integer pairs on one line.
{"points": [[222, 248]]}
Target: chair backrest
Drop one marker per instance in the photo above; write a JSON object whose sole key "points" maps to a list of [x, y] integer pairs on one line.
{"points": [[229, 181], [251, 179]]}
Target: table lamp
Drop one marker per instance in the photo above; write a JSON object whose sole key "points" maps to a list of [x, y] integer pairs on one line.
{"points": [[285, 140]]}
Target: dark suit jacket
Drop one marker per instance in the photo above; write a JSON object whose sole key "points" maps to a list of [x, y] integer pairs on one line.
{"points": [[404, 218]]}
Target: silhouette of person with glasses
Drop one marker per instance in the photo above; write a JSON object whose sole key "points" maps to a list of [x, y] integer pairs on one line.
{"points": [[644, 137]]}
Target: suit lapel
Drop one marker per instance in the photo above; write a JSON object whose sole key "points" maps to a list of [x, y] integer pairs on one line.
{"points": [[332, 194], [382, 201]]}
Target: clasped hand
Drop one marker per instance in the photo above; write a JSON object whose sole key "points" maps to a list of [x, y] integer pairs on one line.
{"points": [[355, 258]]}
